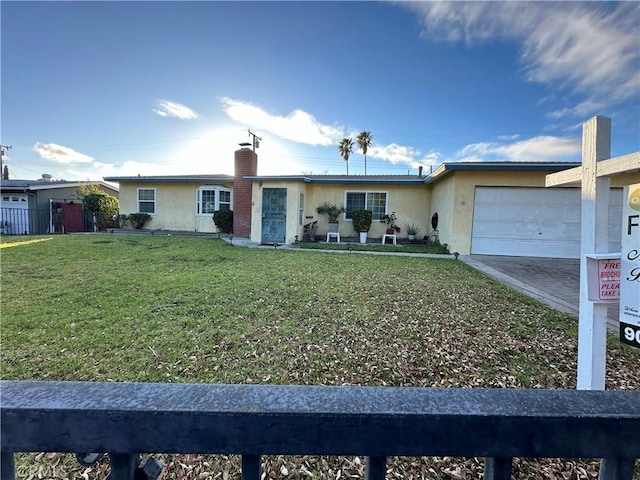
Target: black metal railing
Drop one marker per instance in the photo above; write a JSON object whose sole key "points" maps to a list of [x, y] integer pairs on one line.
{"points": [[126, 419], [23, 221], [30, 221]]}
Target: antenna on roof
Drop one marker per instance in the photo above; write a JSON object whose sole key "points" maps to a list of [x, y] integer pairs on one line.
{"points": [[256, 140]]}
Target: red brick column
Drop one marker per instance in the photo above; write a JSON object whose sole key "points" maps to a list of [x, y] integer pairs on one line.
{"points": [[246, 164]]}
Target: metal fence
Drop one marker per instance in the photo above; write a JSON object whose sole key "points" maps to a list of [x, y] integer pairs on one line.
{"points": [[23, 221], [127, 419]]}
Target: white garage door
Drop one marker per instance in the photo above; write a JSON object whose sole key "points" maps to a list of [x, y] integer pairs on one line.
{"points": [[534, 222], [14, 214]]}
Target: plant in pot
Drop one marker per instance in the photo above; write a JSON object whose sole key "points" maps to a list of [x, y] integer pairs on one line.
{"points": [[361, 223], [412, 230], [332, 211], [390, 220], [310, 230]]}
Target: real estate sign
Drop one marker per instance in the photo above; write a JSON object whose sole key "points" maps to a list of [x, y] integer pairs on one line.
{"points": [[630, 267]]}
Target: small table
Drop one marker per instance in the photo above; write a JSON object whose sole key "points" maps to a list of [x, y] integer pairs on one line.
{"points": [[331, 235], [392, 236]]}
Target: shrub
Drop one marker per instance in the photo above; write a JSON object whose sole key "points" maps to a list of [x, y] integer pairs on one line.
{"points": [[104, 206], [361, 220], [223, 220], [137, 220]]}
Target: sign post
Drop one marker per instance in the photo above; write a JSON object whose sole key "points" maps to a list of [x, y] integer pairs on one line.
{"points": [[592, 319], [630, 267]]}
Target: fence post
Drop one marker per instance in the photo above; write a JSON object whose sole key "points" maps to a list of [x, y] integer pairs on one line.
{"points": [[375, 468], [616, 469], [123, 466], [497, 468], [250, 467], [7, 466]]}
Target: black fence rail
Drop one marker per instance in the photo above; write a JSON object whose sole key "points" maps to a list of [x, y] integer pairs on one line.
{"points": [[23, 221], [127, 419]]}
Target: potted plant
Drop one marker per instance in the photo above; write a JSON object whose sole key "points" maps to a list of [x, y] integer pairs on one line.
{"points": [[310, 230], [390, 220], [412, 230], [332, 211], [361, 223]]}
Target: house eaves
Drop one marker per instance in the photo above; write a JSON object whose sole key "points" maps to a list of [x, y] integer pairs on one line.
{"points": [[33, 185], [44, 185], [448, 168], [172, 179], [343, 179]]}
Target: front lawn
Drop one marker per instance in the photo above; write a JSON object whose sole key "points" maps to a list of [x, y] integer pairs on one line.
{"points": [[175, 309]]}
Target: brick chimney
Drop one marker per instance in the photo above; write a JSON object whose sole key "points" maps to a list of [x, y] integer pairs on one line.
{"points": [[246, 165]]}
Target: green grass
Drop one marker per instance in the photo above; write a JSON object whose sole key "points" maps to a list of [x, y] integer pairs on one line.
{"points": [[178, 309]]}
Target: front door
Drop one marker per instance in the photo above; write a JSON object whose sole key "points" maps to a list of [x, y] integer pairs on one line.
{"points": [[274, 215]]}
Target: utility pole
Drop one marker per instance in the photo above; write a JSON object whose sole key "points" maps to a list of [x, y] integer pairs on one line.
{"points": [[4, 171], [256, 140]]}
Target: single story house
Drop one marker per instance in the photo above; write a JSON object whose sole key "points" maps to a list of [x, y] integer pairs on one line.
{"points": [[44, 205], [497, 208]]}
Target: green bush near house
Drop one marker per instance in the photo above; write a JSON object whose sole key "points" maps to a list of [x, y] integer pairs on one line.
{"points": [[104, 206], [223, 220], [138, 220], [362, 220]]}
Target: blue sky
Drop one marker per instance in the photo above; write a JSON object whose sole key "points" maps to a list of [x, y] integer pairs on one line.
{"points": [[92, 89]]}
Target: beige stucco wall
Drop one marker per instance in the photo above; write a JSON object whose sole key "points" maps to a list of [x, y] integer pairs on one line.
{"points": [[442, 201], [172, 201], [293, 225], [411, 204]]}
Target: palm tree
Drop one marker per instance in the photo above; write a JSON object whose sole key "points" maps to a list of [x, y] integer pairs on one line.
{"points": [[346, 148], [364, 142]]}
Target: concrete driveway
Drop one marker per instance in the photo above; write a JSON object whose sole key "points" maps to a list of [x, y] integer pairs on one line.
{"points": [[554, 281]]}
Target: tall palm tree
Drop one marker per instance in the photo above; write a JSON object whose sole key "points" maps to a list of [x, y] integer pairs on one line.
{"points": [[364, 142], [346, 148]]}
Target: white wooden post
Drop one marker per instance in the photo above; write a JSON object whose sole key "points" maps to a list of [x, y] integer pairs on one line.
{"points": [[592, 327]]}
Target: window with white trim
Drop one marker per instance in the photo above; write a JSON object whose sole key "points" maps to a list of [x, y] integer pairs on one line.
{"points": [[374, 201], [301, 210], [210, 198], [147, 200]]}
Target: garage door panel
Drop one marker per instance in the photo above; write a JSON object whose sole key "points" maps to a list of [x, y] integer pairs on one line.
{"points": [[528, 248], [534, 221], [500, 230]]}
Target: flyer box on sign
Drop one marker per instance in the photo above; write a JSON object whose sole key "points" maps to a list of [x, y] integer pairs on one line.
{"points": [[603, 277]]}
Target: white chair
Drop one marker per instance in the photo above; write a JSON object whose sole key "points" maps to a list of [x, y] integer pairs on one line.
{"points": [[331, 235]]}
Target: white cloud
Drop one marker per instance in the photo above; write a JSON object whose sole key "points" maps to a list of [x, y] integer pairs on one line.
{"points": [[173, 109], [590, 48], [543, 148], [303, 128], [61, 154], [299, 126], [401, 154]]}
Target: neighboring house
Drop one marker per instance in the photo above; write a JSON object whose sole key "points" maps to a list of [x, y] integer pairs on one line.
{"points": [[177, 202], [498, 208], [44, 206]]}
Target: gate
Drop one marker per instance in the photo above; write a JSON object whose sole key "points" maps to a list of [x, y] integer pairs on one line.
{"points": [[274, 215]]}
